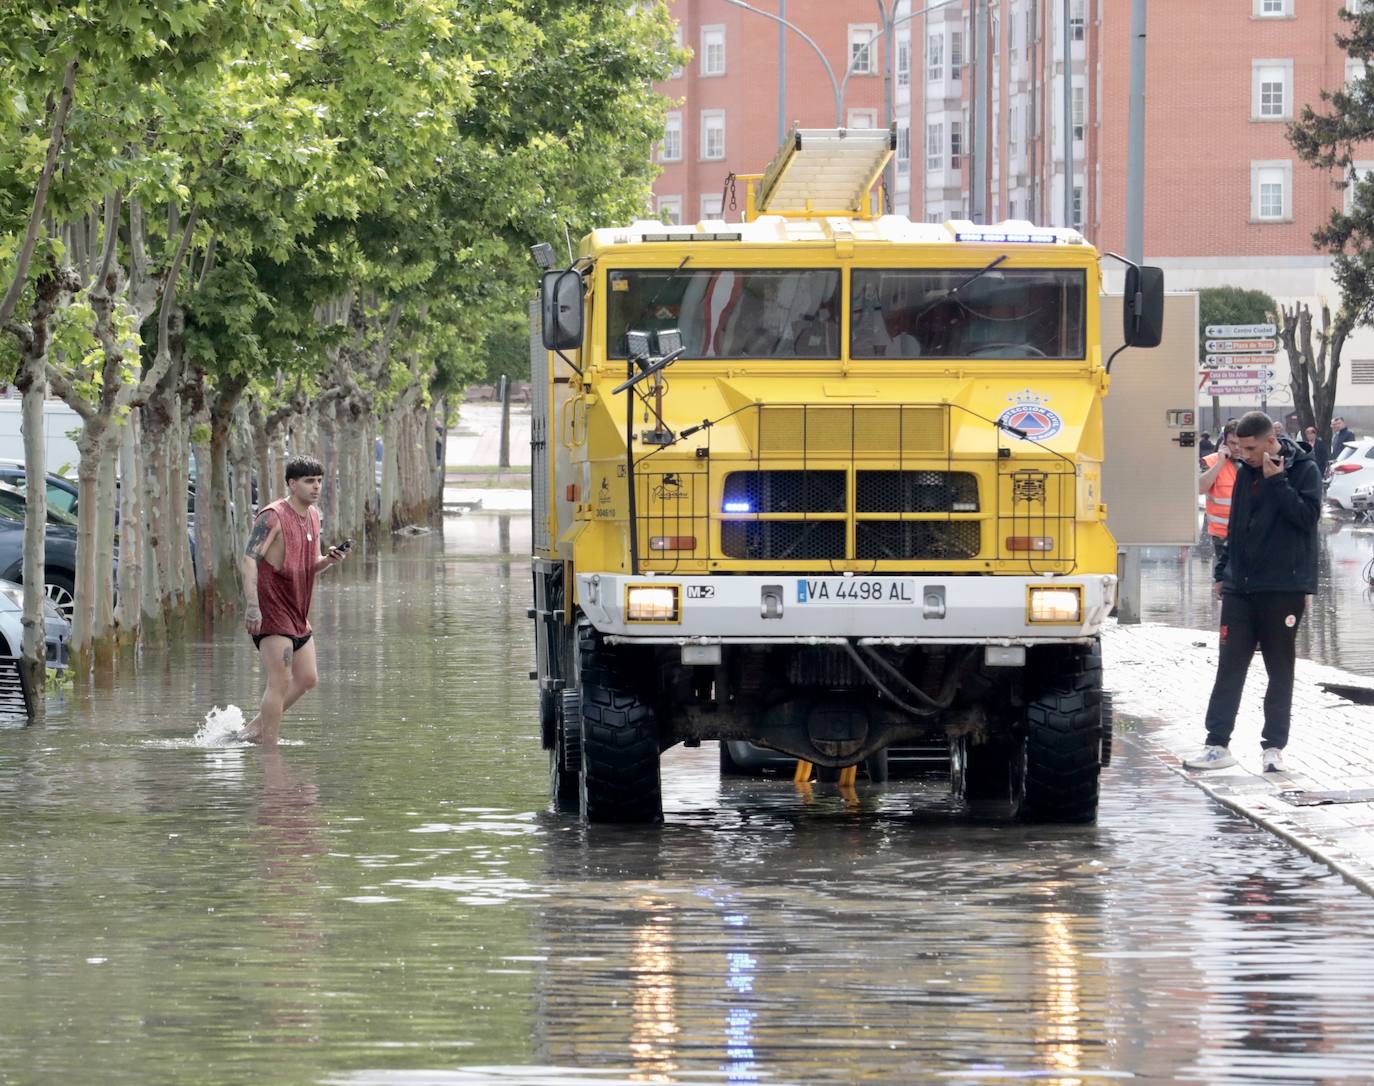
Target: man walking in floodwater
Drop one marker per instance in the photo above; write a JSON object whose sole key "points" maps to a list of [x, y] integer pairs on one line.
{"points": [[1263, 576], [279, 566]]}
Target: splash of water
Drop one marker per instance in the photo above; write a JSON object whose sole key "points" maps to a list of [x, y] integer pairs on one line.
{"points": [[220, 727]]}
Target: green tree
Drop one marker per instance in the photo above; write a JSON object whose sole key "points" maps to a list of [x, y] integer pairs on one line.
{"points": [[1330, 139]]}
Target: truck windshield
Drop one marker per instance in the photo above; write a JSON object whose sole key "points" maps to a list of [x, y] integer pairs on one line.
{"points": [[1005, 313], [723, 313]]}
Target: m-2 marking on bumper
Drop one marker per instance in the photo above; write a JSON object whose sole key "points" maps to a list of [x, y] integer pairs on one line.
{"points": [[701, 591]]}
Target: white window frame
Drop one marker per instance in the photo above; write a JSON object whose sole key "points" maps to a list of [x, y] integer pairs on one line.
{"points": [[677, 42], [904, 147], [1354, 72], [1078, 110], [1077, 207], [935, 146], [713, 50], [1273, 9], [1262, 73], [1078, 19], [935, 56], [904, 62], [1013, 127], [1362, 170], [956, 54], [672, 204], [861, 38], [862, 118], [712, 206], [712, 121], [670, 150], [956, 139], [1264, 173]]}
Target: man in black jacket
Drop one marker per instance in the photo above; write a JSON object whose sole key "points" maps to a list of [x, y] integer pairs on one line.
{"points": [[1263, 578]]}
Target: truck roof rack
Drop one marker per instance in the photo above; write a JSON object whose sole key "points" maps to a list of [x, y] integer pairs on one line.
{"points": [[822, 172]]}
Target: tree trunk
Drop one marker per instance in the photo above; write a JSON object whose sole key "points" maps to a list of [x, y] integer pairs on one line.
{"points": [[32, 384], [105, 633], [223, 582], [132, 563], [84, 613]]}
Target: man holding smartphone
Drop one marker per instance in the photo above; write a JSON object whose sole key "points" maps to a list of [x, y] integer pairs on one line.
{"points": [[1263, 578], [279, 567]]}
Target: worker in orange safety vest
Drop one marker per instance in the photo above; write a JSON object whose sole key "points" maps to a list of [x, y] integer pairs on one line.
{"points": [[1216, 482]]}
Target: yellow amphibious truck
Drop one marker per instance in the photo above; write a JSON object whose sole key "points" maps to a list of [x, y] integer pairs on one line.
{"points": [[827, 481]]}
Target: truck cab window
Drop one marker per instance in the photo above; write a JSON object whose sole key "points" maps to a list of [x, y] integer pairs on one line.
{"points": [[729, 313], [1004, 314]]}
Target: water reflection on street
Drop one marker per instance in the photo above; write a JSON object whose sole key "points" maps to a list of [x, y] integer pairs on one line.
{"points": [[389, 901], [1337, 630]]}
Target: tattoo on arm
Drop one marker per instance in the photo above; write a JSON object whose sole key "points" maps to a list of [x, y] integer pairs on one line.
{"points": [[286, 657], [261, 530]]}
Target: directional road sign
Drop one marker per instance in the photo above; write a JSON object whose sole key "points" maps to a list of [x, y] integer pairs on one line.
{"points": [[1241, 346], [1239, 388], [1240, 331], [1254, 373], [1212, 361]]}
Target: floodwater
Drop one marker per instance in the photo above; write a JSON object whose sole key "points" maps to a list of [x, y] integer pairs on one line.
{"points": [[386, 901], [1338, 628]]}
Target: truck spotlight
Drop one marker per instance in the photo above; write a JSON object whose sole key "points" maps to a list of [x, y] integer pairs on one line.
{"points": [[543, 255], [1060, 606], [652, 603]]}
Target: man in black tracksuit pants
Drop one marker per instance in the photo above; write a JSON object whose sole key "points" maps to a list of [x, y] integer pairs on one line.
{"points": [[1263, 578]]}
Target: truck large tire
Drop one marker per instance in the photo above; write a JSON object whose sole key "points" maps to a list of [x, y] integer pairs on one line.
{"points": [[620, 778], [565, 756], [1064, 739]]}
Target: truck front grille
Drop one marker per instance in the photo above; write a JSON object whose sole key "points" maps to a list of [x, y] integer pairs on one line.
{"points": [[783, 540], [927, 540], [916, 492], [785, 492]]}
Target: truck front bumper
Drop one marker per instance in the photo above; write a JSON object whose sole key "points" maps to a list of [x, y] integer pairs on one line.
{"points": [[877, 609]]}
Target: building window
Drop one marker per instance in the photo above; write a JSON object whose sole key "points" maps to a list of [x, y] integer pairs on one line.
{"points": [[904, 63], [713, 133], [935, 56], [1011, 35], [1013, 128], [670, 209], [711, 207], [935, 147], [671, 150], [1077, 207], [677, 41], [903, 149], [713, 50], [863, 118], [861, 48], [956, 54], [1275, 9], [1359, 171], [956, 145], [1269, 93], [1271, 191], [1077, 19], [1078, 107], [1011, 209], [1354, 73]]}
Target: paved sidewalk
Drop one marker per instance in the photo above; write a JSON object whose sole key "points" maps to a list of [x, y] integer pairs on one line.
{"points": [[1162, 676]]}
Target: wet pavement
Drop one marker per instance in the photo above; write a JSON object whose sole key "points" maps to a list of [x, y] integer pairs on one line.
{"points": [[386, 900]]}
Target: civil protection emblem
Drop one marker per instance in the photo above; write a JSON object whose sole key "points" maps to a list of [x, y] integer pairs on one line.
{"points": [[1029, 414]]}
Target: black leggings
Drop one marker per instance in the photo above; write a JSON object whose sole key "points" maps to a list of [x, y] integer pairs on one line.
{"points": [[1269, 620]]}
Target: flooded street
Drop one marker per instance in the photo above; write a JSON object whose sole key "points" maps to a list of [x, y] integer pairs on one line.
{"points": [[386, 901]]}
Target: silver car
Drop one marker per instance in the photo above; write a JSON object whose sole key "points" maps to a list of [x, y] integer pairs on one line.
{"points": [[14, 699]]}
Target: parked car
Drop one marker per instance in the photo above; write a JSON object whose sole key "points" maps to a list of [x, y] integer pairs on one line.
{"points": [[61, 490], [59, 553], [15, 699], [1353, 469]]}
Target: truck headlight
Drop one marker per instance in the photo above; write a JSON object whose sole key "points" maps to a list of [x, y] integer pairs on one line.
{"points": [[652, 603], [1063, 606]]}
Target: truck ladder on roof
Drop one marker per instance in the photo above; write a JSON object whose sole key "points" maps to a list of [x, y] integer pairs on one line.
{"points": [[822, 171]]}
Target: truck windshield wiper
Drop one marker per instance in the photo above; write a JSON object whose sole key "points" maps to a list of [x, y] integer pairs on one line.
{"points": [[953, 292], [658, 296]]}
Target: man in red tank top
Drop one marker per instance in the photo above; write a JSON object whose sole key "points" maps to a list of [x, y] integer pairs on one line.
{"points": [[279, 567]]}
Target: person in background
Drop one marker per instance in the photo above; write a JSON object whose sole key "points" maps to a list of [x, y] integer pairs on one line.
{"points": [[1320, 450], [1205, 446], [1263, 577], [1216, 483], [1341, 436]]}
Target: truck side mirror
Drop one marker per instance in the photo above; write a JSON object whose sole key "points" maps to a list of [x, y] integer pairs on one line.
{"points": [[560, 297], [1142, 308]]}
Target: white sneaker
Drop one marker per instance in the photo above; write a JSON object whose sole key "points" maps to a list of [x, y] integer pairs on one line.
{"points": [[1273, 760], [1211, 758]]}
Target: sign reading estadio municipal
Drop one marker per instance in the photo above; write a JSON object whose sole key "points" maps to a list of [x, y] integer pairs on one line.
{"points": [[1212, 361]]}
